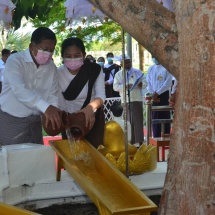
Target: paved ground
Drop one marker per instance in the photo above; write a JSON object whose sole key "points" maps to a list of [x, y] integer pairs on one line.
{"points": [[80, 209]]}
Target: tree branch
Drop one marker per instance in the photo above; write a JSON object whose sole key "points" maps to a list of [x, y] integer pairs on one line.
{"points": [[148, 22]]}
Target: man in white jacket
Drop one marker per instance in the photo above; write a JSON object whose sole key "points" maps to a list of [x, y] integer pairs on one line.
{"points": [[159, 83], [134, 102]]}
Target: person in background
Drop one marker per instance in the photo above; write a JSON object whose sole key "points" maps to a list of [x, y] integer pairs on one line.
{"points": [[5, 54], [14, 51], [101, 62], [134, 84], [108, 77], [82, 88], [110, 70], [30, 88], [159, 83], [91, 58], [173, 93]]}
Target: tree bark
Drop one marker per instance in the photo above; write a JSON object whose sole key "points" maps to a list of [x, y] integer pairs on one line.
{"points": [[189, 187], [189, 51]]}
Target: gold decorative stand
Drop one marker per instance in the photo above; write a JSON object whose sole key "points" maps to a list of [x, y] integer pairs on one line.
{"points": [[104, 184]]}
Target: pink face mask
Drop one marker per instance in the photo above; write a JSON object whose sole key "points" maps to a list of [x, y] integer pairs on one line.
{"points": [[43, 57], [73, 63]]}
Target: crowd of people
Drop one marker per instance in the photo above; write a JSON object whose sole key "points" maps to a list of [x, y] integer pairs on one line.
{"points": [[32, 86]]}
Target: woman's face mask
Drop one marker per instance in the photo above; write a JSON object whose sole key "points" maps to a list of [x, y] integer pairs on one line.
{"points": [[73, 63], [101, 63]]}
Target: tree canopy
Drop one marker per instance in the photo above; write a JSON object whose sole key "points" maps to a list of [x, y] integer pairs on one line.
{"points": [[52, 14]]}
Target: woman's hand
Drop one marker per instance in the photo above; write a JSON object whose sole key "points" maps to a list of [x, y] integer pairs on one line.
{"points": [[89, 116]]}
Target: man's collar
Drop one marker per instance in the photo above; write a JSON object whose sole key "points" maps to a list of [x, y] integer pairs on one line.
{"points": [[27, 56], [2, 62]]}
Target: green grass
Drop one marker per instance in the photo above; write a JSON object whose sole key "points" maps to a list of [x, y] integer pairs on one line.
{"points": [[44, 133]]}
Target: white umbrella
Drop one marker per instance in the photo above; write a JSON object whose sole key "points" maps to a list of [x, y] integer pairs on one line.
{"points": [[6, 13], [82, 11]]}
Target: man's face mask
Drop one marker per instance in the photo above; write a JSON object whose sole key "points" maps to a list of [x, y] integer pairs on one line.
{"points": [[42, 57], [109, 59]]}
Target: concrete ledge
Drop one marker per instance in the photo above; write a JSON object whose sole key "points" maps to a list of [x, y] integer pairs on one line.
{"points": [[27, 177], [29, 164]]}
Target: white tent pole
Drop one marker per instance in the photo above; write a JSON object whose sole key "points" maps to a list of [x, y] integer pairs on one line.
{"points": [[125, 103]]}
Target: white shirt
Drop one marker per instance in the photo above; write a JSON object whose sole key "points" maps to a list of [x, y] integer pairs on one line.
{"points": [[110, 80], [159, 79], [28, 90], [174, 87], [2, 66], [65, 77], [107, 65], [136, 93]]}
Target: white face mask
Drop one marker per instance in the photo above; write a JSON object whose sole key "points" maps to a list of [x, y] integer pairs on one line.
{"points": [[73, 63]]}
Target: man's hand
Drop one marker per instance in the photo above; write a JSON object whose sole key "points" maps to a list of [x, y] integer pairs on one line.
{"points": [[172, 100], [52, 115], [140, 84], [128, 86], [155, 98]]}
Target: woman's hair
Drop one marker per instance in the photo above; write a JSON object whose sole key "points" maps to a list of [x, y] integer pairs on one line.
{"points": [[89, 56], [42, 33], [101, 58], [72, 41]]}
